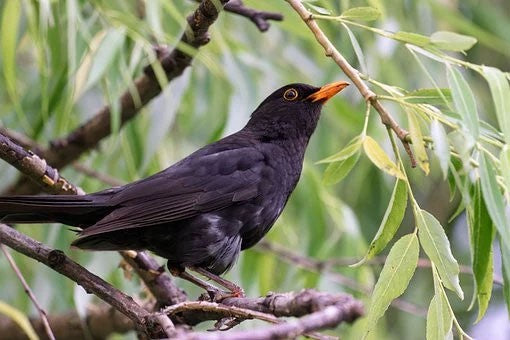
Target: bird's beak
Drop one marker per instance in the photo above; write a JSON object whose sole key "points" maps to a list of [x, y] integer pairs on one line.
{"points": [[327, 91]]}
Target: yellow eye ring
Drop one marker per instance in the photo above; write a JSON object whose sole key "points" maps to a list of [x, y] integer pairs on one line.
{"points": [[290, 94]]}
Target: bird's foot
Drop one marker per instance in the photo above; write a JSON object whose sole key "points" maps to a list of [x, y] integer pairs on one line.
{"points": [[233, 289]]}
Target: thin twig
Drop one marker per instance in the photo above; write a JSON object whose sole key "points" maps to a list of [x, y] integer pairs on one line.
{"points": [[109, 180], [259, 18], [353, 74], [28, 291]]}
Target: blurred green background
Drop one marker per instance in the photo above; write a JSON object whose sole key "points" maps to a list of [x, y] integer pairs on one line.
{"points": [[63, 60]]}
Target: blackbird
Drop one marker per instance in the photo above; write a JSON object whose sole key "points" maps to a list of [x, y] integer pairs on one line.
{"points": [[202, 211]]}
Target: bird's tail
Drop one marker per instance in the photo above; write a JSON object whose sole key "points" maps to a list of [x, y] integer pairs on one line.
{"points": [[79, 211]]}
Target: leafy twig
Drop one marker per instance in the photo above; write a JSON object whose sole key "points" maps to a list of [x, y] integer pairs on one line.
{"points": [[353, 74]]}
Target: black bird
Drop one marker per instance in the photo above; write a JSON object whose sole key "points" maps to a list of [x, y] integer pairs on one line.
{"points": [[202, 211]]}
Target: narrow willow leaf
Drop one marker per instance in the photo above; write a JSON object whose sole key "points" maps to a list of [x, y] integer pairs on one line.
{"points": [[318, 9], [437, 247], [380, 158], [357, 49], [441, 147], [500, 90], [361, 13], [394, 279], [390, 222], [452, 41], [463, 100], [337, 171], [494, 200], [412, 38], [433, 96], [350, 149], [417, 139], [439, 318], [20, 319], [8, 40], [504, 158], [109, 48], [481, 237]]}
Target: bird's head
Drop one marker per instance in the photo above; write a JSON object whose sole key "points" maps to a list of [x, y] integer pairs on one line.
{"points": [[292, 111]]}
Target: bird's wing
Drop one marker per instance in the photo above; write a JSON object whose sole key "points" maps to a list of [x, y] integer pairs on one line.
{"points": [[195, 185]]}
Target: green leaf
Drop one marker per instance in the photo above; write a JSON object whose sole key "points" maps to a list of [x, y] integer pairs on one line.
{"points": [[452, 41], [394, 279], [437, 247], [337, 171], [412, 38], [504, 158], [441, 147], [481, 237], [105, 55], [357, 49], [430, 96], [439, 318], [361, 13], [500, 90], [494, 200], [318, 9], [464, 100], [8, 41], [390, 222], [350, 149], [380, 158], [417, 139], [20, 319]]}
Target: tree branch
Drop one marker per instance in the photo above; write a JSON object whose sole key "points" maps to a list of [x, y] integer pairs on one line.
{"points": [[328, 317], [259, 18], [353, 74], [103, 320], [59, 262], [38, 170]]}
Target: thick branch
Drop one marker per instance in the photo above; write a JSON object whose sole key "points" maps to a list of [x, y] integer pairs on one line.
{"points": [[64, 151], [59, 262], [353, 74]]}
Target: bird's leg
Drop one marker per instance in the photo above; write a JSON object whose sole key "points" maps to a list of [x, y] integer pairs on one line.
{"points": [[180, 272], [235, 290]]}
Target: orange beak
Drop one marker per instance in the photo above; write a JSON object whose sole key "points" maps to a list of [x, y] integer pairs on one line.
{"points": [[327, 91]]}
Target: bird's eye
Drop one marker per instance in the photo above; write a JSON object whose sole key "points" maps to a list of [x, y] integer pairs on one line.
{"points": [[290, 94]]}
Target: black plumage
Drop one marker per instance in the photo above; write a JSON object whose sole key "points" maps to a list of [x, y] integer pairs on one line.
{"points": [[202, 211]]}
